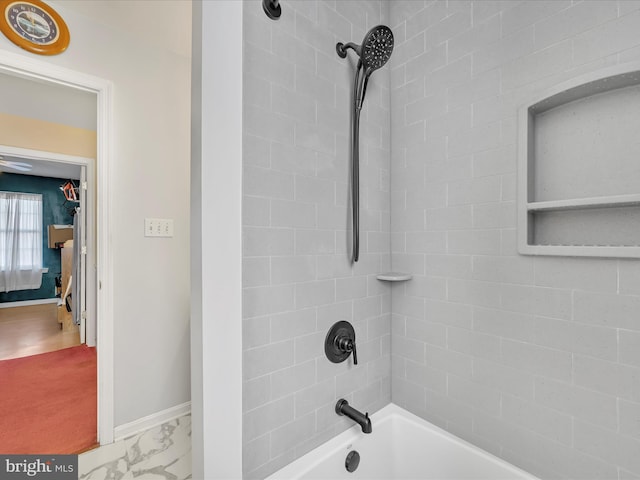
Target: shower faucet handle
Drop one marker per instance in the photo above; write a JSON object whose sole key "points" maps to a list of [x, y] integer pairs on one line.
{"points": [[340, 342], [348, 344]]}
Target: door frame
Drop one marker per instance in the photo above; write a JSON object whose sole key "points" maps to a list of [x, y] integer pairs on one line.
{"points": [[88, 282], [34, 69]]}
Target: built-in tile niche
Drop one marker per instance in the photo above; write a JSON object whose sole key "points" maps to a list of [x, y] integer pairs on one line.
{"points": [[579, 167]]}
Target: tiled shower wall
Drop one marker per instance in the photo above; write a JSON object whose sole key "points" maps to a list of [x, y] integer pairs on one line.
{"points": [[536, 359], [297, 276]]}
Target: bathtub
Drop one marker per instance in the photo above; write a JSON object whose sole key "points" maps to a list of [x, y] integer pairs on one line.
{"points": [[402, 446]]}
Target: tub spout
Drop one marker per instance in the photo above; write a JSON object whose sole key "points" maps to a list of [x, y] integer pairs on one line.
{"points": [[343, 408]]}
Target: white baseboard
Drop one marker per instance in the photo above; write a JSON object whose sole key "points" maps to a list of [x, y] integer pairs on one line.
{"points": [[26, 303], [150, 421]]}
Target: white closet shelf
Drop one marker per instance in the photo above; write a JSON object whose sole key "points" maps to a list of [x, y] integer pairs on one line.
{"points": [[580, 203], [394, 277]]}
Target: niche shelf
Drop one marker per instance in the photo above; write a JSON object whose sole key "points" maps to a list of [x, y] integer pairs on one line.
{"points": [[579, 167]]}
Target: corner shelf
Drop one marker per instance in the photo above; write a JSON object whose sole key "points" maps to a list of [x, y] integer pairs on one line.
{"points": [[394, 277], [578, 141]]}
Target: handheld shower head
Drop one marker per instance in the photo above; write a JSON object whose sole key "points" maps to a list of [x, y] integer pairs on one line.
{"points": [[375, 50], [374, 53]]}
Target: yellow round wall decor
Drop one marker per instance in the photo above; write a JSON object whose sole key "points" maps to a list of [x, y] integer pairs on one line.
{"points": [[34, 26]]}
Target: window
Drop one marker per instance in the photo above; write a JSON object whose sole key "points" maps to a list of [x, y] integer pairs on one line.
{"points": [[20, 239]]}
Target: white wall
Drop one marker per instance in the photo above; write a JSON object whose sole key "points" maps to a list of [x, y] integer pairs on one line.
{"points": [[532, 358], [216, 240], [48, 102], [150, 178]]}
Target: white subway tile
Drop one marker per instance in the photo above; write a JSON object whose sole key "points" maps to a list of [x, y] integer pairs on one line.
{"points": [[293, 379], [514, 326], [473, 242], [259, 301], [428, 287], [256, 271], [449, 313], [474, 191], [578, 18], [537, 360], [288, 325], [629, 347], [311, 398], [259, 241], [474, 394], [546, 302], [287, 102], [285, 213], [269, 358], [268, 125], [606, 39], [629, 276], [482, 34], [292, 269], [293, 159], [527, 13], [448, 361], [504, 378], [607, 445], [473, 343], [351, 288], [455, 266], [495, 162], [495, 215], [585, 405], [255, 332], [315, 293], [504, 50], [618, 311], [471, 292], [424, 18], [578, 273], [532, 67], [262, 182], [308, 347], [291, 434]]}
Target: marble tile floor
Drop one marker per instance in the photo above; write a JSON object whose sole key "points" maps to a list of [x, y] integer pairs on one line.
{"points": [[162, 453]]}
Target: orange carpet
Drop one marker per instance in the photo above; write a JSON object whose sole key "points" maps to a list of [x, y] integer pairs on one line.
{"points": [[48, 402]]}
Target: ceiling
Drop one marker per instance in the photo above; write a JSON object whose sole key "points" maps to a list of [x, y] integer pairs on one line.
{"points": [[42, 168]]}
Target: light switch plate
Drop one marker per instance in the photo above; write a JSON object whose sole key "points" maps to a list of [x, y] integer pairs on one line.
{"points": [[158, 227]]}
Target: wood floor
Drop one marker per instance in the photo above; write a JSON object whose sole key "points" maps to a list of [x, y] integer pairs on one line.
{"points": [[31, 330]]}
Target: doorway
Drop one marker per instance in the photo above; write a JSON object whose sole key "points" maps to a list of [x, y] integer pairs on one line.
{"points": [[34, 70], [69, 237]]}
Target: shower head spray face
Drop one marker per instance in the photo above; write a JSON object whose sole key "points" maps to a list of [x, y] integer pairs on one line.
{"points": [[377, 47]]}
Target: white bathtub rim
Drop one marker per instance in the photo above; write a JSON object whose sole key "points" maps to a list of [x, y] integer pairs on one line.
{"points": [[312, 459]]}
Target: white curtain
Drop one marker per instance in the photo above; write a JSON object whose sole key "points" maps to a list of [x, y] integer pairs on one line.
{"points": [[20, 241]]}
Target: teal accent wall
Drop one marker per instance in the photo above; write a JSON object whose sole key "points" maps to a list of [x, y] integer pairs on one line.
{"points": [[54, 211]]}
